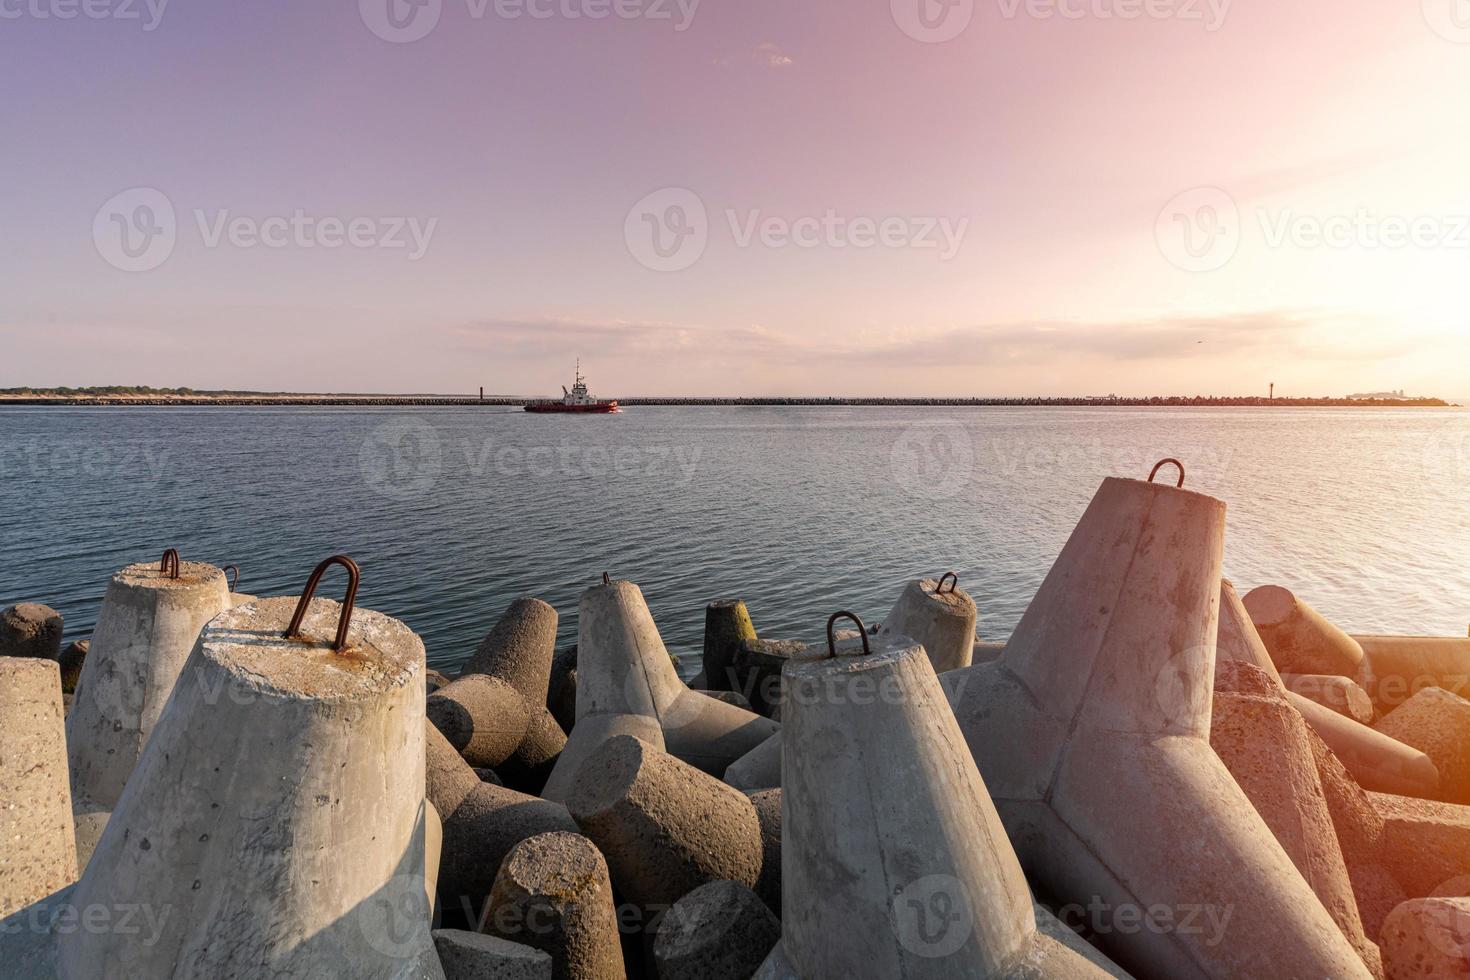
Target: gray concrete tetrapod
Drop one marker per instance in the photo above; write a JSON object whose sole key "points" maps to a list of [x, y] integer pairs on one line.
{"points": [[1093, 733], [719, 931], [760, 768], [482, 823], [553, 894], [278, 811], [32, 630], [664, 826], [726, 625], [519, 648], [38, 853], [146, 628], [1300, 639], [894, 862], [1437, 723], [476, 956], [939, 616], [624, 669], [587, 737], [485, 718], [1395, 668]]}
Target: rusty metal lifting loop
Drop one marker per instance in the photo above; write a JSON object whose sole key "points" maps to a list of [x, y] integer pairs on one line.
{"points": [[345, 621], [234, 579], [170, 563], [954, 583], [606, 579], [1167, 462], [832, 636]]}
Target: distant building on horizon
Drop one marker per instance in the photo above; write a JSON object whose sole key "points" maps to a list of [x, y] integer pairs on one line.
{"points": [[1380, 396]]}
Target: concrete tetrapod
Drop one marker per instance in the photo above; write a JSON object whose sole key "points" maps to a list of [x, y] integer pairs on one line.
{"points": [[726, 625], [553, 894], [894, 862], [1397, 667], [939, 616], [519, 649], [1341, 694], [272, 755], [1236, 638], [1300, 639], [1428, 939], [482, 823], [623, 668], [475, 956], [719, 931], [146, 628], [1100, 706], [1266, 746], [31, 630], [760, 768], [38, 853], [664, 826], [1377, 761], [1437, 723]]}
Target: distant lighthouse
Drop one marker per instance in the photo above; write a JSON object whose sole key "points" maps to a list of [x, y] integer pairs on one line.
{"points": [[1273, 391]]}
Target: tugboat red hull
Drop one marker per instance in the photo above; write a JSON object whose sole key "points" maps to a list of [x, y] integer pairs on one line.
{"points": [[595, 408]]}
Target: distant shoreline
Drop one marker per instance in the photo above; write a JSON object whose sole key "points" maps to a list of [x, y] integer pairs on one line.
{"points": [[247, 399]]}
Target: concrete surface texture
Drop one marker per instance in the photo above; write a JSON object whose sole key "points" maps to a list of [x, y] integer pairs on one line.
{"points": [[1266, 746], [719, 931], [757, 668], [519, 649], [726, 625], [271, 757], [476, 956], [1100, 705], [1236, 638], [767, 803], [1377, 761], [38, 853], [553, 894], [1395, 667], [1438, 724], [30, 629], [1341, 694], [1428, 939], [433, 852], [760, 768], [1425, 842], [587, 737], [664, 826], [1299, 639], [145, 631], [894, 861], [483, 717], [1360, 837], [941, 620], [623, 668]]}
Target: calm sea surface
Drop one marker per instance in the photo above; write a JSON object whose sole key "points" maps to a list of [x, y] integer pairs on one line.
{"points": [[800, 511]]}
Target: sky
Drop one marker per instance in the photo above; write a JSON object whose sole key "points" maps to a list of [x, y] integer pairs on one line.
{"points": [[711, 197]]}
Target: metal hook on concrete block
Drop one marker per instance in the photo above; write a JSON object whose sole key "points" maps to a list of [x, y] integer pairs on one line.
{"points": [[1168, 462], [832, 635], [954, 583], [345, 621], [170, 563], [606, 579], [234, 579]]}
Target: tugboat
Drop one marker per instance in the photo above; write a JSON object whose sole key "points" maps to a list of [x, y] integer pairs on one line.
{"points": [[576, 400]]}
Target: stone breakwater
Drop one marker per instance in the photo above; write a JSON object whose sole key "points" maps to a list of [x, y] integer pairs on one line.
{"points": [[503, 401], [1155, 777]]}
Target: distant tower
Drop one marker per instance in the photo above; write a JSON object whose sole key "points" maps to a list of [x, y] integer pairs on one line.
{"points": [[1273, 391], [482, 392]]}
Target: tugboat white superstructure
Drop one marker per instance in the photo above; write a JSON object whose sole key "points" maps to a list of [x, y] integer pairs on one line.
{"points": [[576, 400]]}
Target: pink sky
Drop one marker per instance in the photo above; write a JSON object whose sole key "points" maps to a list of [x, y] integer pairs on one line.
{"points": [[1064, 197]]}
